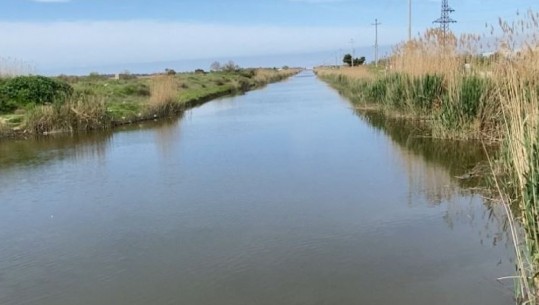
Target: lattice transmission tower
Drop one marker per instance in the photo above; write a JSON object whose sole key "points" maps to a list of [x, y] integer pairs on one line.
{"points": [[445, 20]]}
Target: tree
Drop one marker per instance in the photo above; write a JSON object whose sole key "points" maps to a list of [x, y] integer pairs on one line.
{"points": [[215, 66], [347, 59], [230, 66], [359, 61], [170, 71]]}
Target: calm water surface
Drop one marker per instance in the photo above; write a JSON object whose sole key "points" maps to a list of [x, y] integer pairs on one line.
{"points": [[281, 196]]}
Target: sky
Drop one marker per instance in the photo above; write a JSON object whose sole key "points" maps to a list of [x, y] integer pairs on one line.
{"points": [[77, 36]]}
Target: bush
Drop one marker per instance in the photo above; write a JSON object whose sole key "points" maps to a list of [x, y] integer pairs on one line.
{"points": [[249, 73], [23, 90], [137, 89], [170, 72]]}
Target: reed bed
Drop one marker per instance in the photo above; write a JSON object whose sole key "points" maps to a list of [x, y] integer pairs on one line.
{"points": [[79, 113]]}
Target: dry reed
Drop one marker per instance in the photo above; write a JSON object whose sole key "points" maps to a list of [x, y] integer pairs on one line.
{"points": [[77, 113], [164, 95]]}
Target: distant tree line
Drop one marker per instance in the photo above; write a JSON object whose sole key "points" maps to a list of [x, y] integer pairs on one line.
{"points": [[353, 61], [229, 66]]}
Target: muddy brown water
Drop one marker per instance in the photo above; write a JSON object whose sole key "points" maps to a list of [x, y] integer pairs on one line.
{"points": [[280, 196]]}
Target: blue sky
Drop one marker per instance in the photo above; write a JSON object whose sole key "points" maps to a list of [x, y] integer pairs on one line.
{"points": [[63, 34]]}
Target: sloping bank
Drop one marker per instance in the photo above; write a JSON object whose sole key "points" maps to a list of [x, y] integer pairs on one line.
{"points": [[36, 105]]}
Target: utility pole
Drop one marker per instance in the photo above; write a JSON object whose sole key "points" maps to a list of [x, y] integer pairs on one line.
{"points": [[444, 19], [409, 20], [353, 51], [376, 24]]}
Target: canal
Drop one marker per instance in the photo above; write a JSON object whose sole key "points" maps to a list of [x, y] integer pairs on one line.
{"points": [[281, 196]]}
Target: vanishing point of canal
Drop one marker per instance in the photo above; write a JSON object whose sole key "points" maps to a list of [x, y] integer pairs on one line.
{"points": [[282, 196]]}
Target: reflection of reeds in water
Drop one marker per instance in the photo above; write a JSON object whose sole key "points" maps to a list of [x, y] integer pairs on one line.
{"points": [[430, 180], [4, 128], [167, 135], [43, 150], [442, 173]]}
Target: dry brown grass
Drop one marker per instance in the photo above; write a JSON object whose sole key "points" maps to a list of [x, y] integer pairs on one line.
{"points": [[266, 76], [353, 72], [164, 95], [78, 113], [517, 79], [434, 53]]}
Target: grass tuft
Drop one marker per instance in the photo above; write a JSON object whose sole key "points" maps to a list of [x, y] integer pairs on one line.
{"points": [[164, 91]]}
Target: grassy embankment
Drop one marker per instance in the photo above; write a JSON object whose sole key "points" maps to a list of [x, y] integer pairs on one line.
{"points": [[37, 105], [459, 95]]}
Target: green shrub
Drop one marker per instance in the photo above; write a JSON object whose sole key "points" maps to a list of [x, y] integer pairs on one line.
{"points": [[249, 73], [39, 90], [137, 89]]}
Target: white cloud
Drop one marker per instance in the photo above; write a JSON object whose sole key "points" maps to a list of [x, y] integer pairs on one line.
{"points": [[83, 43]]}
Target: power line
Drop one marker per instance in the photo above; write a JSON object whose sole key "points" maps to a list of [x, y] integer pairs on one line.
{"points": [[376, 24], [445, 20]]}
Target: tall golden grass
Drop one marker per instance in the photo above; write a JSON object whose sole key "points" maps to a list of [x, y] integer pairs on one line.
{"points": [[517, 79], [79, 113], [266, 76], [164, 93], [360, 72]]}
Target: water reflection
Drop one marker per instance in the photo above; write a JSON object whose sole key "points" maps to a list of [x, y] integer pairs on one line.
{"points": [[433, 168], [456, 157], [38, 151]]}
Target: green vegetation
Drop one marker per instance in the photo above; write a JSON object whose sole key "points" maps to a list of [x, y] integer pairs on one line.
{"points": [[21, 91], [37, 104], [464, 110]]}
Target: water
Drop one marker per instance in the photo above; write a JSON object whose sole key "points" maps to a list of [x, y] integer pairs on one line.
{"points": [[281, 196]]}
